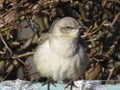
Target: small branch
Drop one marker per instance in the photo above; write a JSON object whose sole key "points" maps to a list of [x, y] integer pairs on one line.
{"points": [[1, 37], [115, 19], [110, 74], [23, 55]]}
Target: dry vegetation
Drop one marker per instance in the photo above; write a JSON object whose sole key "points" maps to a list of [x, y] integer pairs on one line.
{"points": [[23, 21]]}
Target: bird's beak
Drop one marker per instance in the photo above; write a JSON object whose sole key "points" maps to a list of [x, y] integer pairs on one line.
{"points": [[82, 27]]}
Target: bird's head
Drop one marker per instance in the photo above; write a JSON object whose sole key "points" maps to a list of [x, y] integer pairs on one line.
{"points": [[67, 27]]}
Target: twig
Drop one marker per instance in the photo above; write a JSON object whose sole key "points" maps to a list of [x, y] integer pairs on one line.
{"points": [[1, 37], [23, 55], [6, 76], [115, 19], [104, 2], [110, 74]]}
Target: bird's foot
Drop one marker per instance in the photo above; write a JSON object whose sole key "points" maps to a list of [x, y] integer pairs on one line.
{"points": [[49, 82], [71, 84]]}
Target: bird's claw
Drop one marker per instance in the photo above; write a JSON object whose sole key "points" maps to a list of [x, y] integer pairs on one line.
{"points": [[71, 84], [48, 82]]}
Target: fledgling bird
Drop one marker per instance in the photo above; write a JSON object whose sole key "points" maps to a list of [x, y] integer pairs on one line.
{"points": [[59, 54]]}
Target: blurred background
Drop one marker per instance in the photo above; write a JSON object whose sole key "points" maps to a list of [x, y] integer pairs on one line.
{"points": [[23, 21]]}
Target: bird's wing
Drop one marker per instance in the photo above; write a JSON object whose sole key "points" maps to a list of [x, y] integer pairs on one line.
{"points": [[44, 37], [53, 24]]}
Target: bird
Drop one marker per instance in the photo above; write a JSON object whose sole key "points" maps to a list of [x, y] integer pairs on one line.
{"points": [[60, 54]]}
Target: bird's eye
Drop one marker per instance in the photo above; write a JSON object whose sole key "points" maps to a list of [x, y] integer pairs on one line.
{"points": [[68, 27]]}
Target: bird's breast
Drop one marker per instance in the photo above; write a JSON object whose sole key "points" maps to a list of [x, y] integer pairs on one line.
{"points": [[63, 47], [57, 65]]}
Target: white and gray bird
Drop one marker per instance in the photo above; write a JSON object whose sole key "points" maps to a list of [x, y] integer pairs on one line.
{"points": [[59, 54]]}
